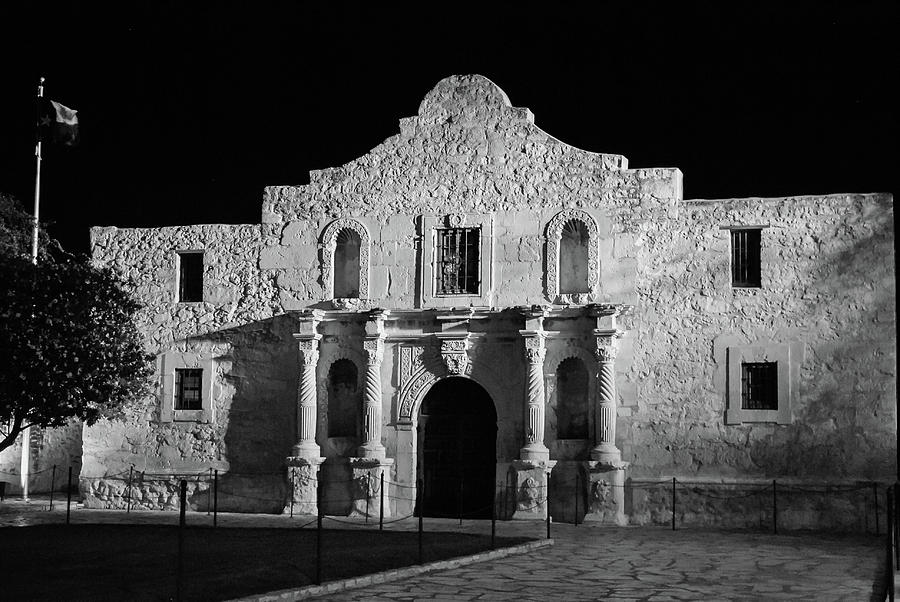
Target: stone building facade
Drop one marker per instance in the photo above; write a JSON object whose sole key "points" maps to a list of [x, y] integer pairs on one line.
{"points": [[482, 314]]}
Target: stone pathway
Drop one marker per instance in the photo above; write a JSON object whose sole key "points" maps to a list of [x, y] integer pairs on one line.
{"points": [[590, 563], [613, 564]]}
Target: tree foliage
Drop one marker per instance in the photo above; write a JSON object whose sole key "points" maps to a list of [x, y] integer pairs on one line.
{"points": [[68, 340]]}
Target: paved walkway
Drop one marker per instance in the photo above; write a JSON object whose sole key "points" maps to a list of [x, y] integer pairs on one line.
{"points": [[590, 563]]}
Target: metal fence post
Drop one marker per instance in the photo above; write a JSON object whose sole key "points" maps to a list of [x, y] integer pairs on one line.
{"points": [[459, 504], [774, 507], [547, 504], [368, 495], [381, 503], [180, 574], [318, 539], [896, 527], [216, 497], [130, 475], [421, 495], [875, 495], [673, 503], [494, 518], [889, 560], [576, 499], [69, 497], [208, 494], [52, 485]]}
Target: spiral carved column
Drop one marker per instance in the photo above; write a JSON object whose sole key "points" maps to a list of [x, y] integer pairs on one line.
{"points": [[372, 447], [306, 399], [534, 449], [606, 450]]}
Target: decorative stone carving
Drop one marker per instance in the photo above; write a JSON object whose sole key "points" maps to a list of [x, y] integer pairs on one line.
{"points": [[606, 349], [455, 220], [329, 243], [308, 353], [454, 355], [553, 239], [302, 477], [534, 449], [606, 450], [606, 493], [372, 446]]}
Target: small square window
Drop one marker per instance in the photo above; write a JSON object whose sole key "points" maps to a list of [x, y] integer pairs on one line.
{"points": [[745, 258], [457, 265], [190, 277], [188, 385], [759, 386]]}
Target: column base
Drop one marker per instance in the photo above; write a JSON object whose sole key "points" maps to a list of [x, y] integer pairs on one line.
{"points": [[607, 454], [534, 452], [306, 450], [303, 482], [532, 479], [375, 452], [606, 493], [365, 487]]}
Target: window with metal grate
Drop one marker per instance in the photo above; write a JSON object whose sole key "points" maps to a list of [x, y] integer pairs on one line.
{"points": [[188, 383], [456, 261], [745, 258], [759, 386]]}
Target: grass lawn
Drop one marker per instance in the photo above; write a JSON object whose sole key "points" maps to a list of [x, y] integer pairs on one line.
{"points": [[139, 562]]}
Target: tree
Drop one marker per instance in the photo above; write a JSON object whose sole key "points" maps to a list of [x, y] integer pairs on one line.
{"points": [[68, 341]]}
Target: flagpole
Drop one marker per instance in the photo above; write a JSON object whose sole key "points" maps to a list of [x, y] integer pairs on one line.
{"points": [[25, 469]]}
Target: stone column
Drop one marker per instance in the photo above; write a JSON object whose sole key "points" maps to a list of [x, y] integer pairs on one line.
{"points": [[371, 446], [531, 472], [370, 463], [307, 409], [606, 450], [303, 464], [534, 449]]}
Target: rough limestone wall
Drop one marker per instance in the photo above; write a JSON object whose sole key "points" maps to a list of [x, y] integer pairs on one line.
{"points": [[253, 394], [828, 285], [467, 151]]}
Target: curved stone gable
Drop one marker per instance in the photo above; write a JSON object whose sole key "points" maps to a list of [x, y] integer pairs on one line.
{"points": [[468, 149]]}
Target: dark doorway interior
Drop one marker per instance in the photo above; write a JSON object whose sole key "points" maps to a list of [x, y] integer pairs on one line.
{"points": [[459, 449]]}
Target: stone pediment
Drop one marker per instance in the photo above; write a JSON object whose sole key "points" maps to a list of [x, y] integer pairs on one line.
{"points": [[468, 149]]}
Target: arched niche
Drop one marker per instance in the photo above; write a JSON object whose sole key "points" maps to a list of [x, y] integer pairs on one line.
{"points": [[573, 257], [353, 238], [344, 398]]}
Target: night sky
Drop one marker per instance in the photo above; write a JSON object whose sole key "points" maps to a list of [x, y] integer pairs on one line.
{"points": [[188, 109]]}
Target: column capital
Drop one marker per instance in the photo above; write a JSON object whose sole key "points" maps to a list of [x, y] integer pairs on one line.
{"points": [[308, 346], [535, 349], [607, 344], [373, 347]]}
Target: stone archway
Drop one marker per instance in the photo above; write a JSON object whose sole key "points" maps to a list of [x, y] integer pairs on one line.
{"points": [[458, 456]]}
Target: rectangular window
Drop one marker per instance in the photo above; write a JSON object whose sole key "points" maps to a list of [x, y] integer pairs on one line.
{"points": [[190, 277], [457, 266], [759, 386], [188, 385], [745, 258]]}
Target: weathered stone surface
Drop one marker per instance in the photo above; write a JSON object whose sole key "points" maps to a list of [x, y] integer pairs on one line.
{"points": [[827, 295]]}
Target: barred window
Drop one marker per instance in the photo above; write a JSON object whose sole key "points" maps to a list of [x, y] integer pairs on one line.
{"points": [[759, 386], [190, 277], [457, 262], [745, 258], [188, 383]]}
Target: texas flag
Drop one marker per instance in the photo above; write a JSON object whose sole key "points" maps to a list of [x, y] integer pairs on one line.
{"points": [[58, 123]]}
